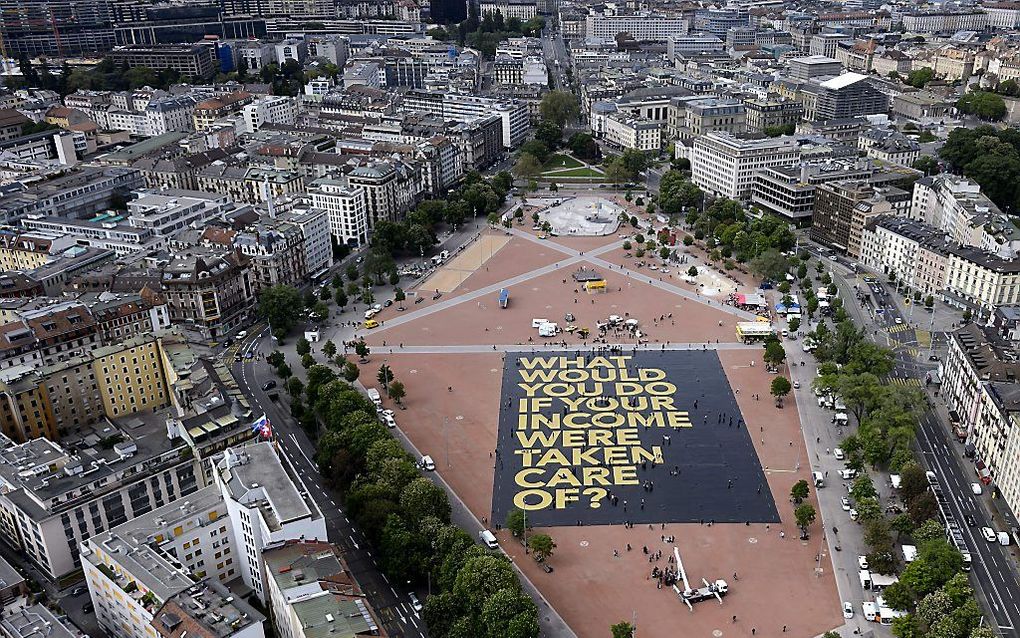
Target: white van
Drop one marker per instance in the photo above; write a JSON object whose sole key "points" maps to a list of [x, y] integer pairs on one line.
{"points": [[819, 479], [837, 453], [976, 489], [870, 610], [488, 539], [428, 464], [535, 323]]}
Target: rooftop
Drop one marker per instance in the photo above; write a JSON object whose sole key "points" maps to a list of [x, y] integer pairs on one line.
{"points": [[36, 621], [256, 476]]}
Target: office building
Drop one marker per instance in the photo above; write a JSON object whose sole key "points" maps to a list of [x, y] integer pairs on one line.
{"points": [[814, 66], [523, 10], [724, 165], [848, 95], [190, 60], [208, 290], [643, 27]]}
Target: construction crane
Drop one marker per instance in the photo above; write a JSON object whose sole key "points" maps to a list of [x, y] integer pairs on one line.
{"points": [[689, 596]]}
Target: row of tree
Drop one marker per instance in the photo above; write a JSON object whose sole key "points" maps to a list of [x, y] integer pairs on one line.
{"points": [[407, 518], [853, 369]]}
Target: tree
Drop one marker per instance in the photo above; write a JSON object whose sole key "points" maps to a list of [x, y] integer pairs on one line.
{"points": [[397, 391], [770, 264], [799, 492], [926, 164], [558, 107], [692, 271], [775, 353], [303, 347], [919, 77], [329, 348], [549, 133], [794, 324], [362, 350], [351, 372], [527, 167], [583, 146], [510, 613], [422, 498], [622, 630], [307, 360], [617, 171], [280, 306], [983, 104], [384, 376], [677, 193], [804, 515], [515, 520], [780, 387], [542, 545]]}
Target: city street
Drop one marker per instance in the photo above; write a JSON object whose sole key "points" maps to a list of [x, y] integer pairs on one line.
{"points": [[994, 569]]}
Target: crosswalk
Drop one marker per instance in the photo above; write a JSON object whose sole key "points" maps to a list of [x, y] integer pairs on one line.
{"points": [[910, 383], [902, 327]]}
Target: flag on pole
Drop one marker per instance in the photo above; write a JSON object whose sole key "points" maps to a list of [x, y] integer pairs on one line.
{"points": [[262, 427]]}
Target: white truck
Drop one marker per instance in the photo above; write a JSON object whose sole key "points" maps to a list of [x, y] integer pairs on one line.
{"points": [[548, 329], [374, 395]]}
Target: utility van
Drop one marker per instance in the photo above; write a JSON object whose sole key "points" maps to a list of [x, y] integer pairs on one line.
{"points": [[488, 539]]}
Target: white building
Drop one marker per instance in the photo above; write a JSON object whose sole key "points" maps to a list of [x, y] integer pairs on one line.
{"points": [[346, 210], [291, 49], [314, 225], [165, 212], [680, 44], [724, 165], [624, 130], [268, 504], [467, 108], [647, 27], [945, 21], [523, 10], [956, 206], [256, 54], [271, 109]]}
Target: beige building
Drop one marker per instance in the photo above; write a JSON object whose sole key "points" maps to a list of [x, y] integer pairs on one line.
{"points": [[25, 411], [210, 110], [130, 376]]}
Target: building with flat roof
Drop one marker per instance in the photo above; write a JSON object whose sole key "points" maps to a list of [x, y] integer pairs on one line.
{"points": [[724, 165], [847, 95], [269, 500], [813, 66], [313, 593], [190, 60], [36, 621]]}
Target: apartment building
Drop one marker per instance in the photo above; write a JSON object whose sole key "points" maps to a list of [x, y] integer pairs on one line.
{"points": [[208, 111], [889, 146], [843, 209], [523, 10], [314, 224], [623, 130], [911, 251], [157, 573], [75, 194], [724, 165], [271, 109], [979, 383], [980, 280], [312, 592], [847, 95], [268, 504], [945, 21], [34, 621], [643, 27], [276, 253], [25, 410], [691, 118], [957, 206], [346, 210], [467, 108], [190, 60], [208, 290], [52, 498], [48, 334], [679, 45], [25, 250], [760, 114]]}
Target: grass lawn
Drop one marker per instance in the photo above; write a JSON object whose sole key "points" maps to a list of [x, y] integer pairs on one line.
{"points": [[561, 161], [574, 172]]}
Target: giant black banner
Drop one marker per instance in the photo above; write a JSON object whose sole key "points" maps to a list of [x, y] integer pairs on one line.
{"points": [[640, 437]]}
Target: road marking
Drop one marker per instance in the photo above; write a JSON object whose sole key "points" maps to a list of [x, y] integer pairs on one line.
{"points": [[300, 450]]}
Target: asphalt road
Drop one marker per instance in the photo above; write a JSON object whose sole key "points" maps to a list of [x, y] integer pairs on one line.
{"points": [[390, 600], [993, 572]]}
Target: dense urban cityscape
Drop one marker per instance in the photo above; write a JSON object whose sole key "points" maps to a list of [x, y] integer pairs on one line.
{"points": [[412, 318]]}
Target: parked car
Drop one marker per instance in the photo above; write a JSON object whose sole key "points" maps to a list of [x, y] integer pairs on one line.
{"points": [[845, 504], [848, 474], [268, 385], [848, 611], [976, 489], [78, 591], [862, 562], [427, 464], [389, 420], [989, 534]]}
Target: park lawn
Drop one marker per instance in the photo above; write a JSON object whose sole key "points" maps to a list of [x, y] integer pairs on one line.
{"points": [[561, 161], [575, 172]]}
